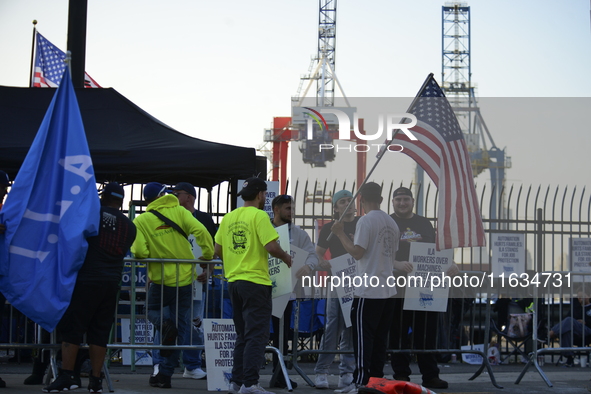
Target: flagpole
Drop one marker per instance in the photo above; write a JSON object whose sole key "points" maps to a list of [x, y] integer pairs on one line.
{"points": [[385, 147], [32, 71]]}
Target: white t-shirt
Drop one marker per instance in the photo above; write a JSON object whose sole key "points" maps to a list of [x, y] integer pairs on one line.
{"points": [[379, 235]]}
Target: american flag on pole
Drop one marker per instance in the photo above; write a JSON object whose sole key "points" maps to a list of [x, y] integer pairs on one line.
{"points": [[442, 152], [50, 63]]}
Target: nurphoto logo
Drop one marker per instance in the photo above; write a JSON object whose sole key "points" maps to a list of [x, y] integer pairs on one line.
{"points": [[388, 123]]}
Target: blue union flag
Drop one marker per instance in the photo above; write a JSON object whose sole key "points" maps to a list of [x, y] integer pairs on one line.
{"points": [[52, 207]]}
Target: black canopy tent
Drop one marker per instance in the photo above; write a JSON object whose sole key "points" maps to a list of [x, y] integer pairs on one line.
{"points": [[126, 143]]}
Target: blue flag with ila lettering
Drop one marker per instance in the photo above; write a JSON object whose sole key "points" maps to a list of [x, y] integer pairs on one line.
{"points": [[52, 207]]}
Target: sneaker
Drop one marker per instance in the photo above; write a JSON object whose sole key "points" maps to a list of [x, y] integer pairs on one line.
{"points": [[233, 388], [351, 389], [345, 380], [321, 381], [435, 383], [197, 373], [2, 383], [95, 385], [169, 334], [254, 389], [402, 378], [570, 362], [153, 379], [65, 381], [161, 381]]}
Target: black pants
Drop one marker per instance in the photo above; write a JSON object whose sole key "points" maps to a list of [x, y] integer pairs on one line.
{"points": [[371, 320], [423, 335], [251, 311]]}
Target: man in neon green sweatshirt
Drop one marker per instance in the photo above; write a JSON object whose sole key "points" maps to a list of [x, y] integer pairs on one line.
{"points": [[158, 237]]}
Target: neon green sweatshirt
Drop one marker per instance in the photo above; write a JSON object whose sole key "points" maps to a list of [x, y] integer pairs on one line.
{"points": [[157, 240]]}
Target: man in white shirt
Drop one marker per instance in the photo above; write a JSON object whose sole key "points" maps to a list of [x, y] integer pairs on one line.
{"points": [[374, 247]]}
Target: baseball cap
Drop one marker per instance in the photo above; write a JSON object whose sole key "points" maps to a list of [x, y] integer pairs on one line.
{"points": [[402, 191], [4, 180], [153, 190], [341, 194], [252, 186], [185, 186], [371, 190], [113, 189]]}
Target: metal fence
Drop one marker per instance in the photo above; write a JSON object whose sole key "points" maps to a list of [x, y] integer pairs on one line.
{"points": [[549, 218]]}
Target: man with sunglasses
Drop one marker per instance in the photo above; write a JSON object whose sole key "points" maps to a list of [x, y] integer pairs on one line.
{"points": [[187, 196], [282, 214], [162, 232]]}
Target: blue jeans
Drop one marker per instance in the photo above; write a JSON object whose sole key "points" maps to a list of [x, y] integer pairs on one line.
{"points": [[335, 334], [181, 318], [191, 358], [579, 333]]}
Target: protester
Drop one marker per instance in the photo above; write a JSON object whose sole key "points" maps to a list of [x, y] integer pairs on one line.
{"points": [[575, 329], [187, 196], [159, 237], [422, 324], [282, 214], [243, 240], [374, 247], [335, 332], [94, 300], [192, 360]]}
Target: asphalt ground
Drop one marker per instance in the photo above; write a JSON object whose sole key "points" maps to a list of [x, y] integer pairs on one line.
{"points": [[564, 380]]}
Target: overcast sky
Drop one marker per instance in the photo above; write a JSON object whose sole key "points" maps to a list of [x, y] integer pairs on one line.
{"points": [[221, 70]]}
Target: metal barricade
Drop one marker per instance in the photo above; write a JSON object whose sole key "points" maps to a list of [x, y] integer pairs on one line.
{"points": [[466, 322]]}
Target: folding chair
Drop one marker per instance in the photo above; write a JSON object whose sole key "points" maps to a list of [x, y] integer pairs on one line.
{"points": [[517, 334]]}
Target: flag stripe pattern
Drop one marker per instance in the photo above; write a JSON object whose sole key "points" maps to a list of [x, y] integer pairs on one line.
{"points": [[50, 63], [442, 152]]}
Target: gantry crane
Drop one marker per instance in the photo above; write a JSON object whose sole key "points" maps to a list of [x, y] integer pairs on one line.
{"points": [[286, 129], [456, 75]]}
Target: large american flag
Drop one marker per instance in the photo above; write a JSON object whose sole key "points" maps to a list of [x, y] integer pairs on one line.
{"points": [[50, 63], [442, 152]]}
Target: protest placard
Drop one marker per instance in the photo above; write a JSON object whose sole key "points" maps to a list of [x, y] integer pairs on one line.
{"points": [[508, 253], [344, 269], [426, 289], [220, 339]]}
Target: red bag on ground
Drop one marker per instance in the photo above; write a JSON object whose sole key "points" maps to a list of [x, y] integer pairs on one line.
{"points": [[388, 386]]}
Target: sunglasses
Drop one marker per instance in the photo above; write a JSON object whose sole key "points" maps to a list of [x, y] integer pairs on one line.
{"points": [[281, 199]]}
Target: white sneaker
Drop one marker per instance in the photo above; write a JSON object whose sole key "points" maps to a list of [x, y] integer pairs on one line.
{"points": [[345, 380], [197, 373], [233, 388], [321, 381], [254, 389], [351, 389]]}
